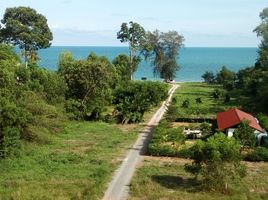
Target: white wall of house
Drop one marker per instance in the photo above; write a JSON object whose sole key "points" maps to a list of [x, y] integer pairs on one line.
{"points": [[230, 132]]}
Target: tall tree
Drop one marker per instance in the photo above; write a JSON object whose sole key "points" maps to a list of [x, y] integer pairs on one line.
{"points": [[122, 66], [163, 49], [89, 84], [135, 36], [24, 27], [262, 31]]}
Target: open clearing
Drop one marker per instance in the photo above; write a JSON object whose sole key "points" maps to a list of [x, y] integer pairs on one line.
{"points": [[165, 178]]}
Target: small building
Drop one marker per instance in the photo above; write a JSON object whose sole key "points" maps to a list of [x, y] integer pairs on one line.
{"points": [[229, 120]]}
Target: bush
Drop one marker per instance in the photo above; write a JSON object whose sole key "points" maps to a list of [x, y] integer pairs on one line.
{"points": [[263, 119], [245, 134], [216, 94], [13, 120], [258, 154], [134, 99], [217, 161], [209, 77], [185, 103]]}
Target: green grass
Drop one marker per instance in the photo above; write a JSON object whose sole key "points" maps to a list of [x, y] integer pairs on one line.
{"points": [[166, 179], [75, 164], [209, 106]]}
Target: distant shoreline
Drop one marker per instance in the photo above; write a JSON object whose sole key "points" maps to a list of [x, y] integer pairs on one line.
{"points": [[81, 46]]}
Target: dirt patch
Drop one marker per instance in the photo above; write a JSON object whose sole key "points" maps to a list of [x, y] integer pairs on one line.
{"points": [[167, 159]]}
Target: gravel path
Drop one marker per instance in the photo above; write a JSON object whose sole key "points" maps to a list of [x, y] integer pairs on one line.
{"points": [[119, 186]]}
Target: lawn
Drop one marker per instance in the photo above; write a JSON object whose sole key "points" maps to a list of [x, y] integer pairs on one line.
{"points": [[76, 164], [209, 106], [165, 178]]}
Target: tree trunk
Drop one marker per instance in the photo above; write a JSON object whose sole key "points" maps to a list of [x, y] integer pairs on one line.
{"points": [[131, 60], [25, 58]]}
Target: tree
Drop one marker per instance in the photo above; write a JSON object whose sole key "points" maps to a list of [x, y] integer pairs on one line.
{"points": [[122, 66], [89, 84], [135, 35], [262, 31], [27, 29], [209, 77], [218, 161], [227, 78], [163, 49], [245, 135], [132, 100]]}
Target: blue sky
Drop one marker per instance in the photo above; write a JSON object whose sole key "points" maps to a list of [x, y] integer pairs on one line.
{"points": [[203, 23]]}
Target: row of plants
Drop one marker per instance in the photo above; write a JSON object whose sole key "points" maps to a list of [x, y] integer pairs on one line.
{"points": [[35, 102]]}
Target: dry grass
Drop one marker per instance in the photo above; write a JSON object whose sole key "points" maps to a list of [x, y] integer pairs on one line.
{"points": [[165, 178]]}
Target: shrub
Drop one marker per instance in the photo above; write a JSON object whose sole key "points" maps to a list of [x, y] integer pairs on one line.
{"points": [[13, 120], [198, 100], [185, 103], [245, 134], [217, 161], [206, 129], [263, 119], [227, 98], [216, 94], [258, 154], [209, 77], [134, 99]]}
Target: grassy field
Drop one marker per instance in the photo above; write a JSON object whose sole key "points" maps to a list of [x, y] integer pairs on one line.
{"points": [[209, 106], [75, 164], [165, 178]]}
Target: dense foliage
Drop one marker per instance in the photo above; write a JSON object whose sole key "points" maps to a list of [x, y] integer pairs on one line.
{"points": [[257, 154], [89, 84], [218, 161], [134, 99], [245, 135], [251, 82], [163, 50], [27, 29], [28, 99], [134, 35]]}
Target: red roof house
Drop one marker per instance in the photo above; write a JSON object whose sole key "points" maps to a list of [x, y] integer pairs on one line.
{"points": [[232, 117]]}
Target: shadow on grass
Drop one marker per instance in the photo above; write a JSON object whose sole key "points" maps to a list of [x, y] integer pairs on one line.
{"points": [[178, 182]]}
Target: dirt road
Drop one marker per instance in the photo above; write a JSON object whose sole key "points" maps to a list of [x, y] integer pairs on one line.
{"points": [[119, 186]]}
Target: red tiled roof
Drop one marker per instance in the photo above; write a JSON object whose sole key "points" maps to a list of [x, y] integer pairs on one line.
{"points": [[233, 117]]}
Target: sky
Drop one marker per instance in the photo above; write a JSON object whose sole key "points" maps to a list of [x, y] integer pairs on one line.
{"points": [[203, 23]]}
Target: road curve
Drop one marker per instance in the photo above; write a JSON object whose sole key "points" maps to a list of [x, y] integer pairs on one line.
{"points": [[119, 186]]}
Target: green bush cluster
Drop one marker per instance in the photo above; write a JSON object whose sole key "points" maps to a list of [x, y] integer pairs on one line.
{"points": [[137, 97], [217, 160], [258, 154], [28, 98]]}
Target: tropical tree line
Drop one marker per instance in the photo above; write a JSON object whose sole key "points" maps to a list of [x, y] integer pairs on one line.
{"points": [[35, 102], [251, 82]]}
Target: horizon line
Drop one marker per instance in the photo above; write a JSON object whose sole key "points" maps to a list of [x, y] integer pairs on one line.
{"points": [[181, 48]]}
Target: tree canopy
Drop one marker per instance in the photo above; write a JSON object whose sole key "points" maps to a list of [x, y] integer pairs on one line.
{"points": [[24, 27], [135, 35], [218, 161], [89, 84], [262, 31], [163, 50]]}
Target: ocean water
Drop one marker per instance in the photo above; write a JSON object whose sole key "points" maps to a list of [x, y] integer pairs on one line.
{"points": [[193, 61]]}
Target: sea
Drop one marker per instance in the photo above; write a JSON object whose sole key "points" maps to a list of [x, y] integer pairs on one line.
{"points": [[193, 61]]}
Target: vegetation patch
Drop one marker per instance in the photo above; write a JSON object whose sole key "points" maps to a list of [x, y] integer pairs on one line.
{"points": [[165, 178], [196, 100], [76, 164], [168, 141]]}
